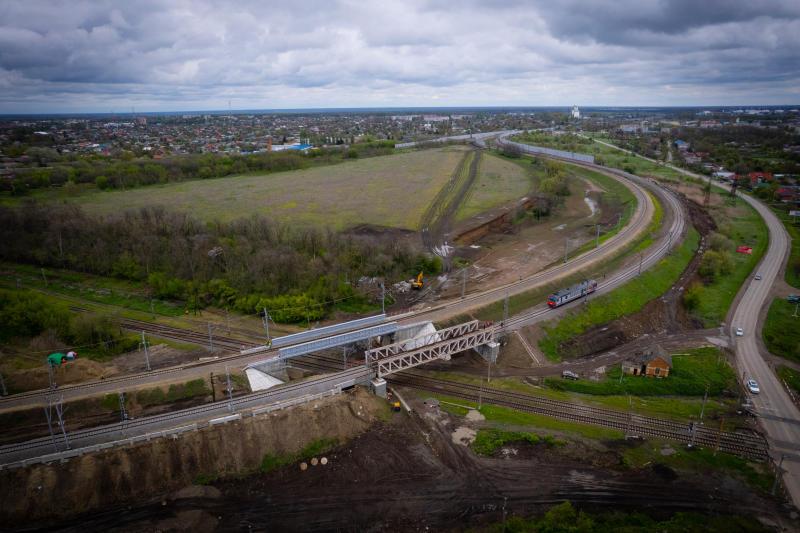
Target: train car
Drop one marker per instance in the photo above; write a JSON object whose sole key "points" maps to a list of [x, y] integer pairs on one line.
{"points": [[571, 293]]}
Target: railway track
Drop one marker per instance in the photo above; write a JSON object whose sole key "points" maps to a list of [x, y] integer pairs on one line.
{"points": [[173, 418], [231, 347], [745, 445], [748, 445]]}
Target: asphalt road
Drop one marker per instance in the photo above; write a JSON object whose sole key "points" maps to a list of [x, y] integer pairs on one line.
{"points": [[779, 416]]}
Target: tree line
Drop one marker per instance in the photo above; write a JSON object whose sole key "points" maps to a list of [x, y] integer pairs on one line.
{"points": [[246, 264], [48, 168]]}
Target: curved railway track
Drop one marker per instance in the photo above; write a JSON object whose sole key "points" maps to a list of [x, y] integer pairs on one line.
{"points": [[231, 355], [748, 445]]}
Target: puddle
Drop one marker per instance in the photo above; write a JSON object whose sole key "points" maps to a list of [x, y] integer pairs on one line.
{"points": [[591, 203]]}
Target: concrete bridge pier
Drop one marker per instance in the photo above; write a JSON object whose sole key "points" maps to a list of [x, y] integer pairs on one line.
{"points": [[488, 351], [378, 386]]}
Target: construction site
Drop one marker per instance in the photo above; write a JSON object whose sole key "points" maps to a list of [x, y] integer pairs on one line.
{"points": [[444, 410]]}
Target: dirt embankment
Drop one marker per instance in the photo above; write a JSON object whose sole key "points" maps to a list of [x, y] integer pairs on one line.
{"points": [[659, 316], [152, 469]]}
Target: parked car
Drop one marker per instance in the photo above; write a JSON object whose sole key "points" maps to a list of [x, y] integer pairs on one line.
{"points": [[793, 298], [758, 277], [569, 374], [752, 386], [739, 332]]}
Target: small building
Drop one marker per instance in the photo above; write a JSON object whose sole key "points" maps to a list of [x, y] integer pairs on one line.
{"points": [[654, 363]]}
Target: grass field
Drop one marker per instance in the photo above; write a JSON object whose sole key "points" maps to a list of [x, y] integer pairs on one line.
{"points": [[742, 225], [699, 461], [791, 377], [609, 157], [624, 300], [782, 330], [791, 225], [689, 376], [673, 407], [499, 182], [390, 191]]}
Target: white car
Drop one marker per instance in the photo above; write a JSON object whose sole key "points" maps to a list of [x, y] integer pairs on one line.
{"points": [[752, 386], [739, 332], [758, 277]]}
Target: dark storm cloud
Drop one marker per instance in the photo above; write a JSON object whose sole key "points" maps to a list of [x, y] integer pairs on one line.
{"points": [[180, 54]]}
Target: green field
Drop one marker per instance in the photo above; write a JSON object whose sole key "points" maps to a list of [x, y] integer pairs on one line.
{"points": [[604, 155], [499, 181], [390, 191], [624, 300], [690, 375], [742, 225], [791, 377], [782, 330]]}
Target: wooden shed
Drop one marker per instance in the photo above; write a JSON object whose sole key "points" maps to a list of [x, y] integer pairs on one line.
{"points": [[655, 362]]}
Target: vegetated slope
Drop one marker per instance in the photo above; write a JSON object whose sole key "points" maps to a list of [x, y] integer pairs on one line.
{"points": [[499, 181], [390, 190], [782, 330]]}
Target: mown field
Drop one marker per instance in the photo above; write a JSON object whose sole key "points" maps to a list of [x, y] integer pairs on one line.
{"points": [[499, 182], [391, 191]]}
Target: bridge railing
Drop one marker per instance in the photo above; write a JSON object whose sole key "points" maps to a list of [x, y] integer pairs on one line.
{"points": [[390, 350]]}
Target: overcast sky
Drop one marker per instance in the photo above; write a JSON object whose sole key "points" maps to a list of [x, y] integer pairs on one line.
{"points": [[202, 54]]}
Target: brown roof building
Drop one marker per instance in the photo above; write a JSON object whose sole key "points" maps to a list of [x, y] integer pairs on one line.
{"points": [[654, 363]]}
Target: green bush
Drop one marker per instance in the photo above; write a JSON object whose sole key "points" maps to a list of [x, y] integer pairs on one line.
{"points": [[488, 441], [782, 330], [27, 314], [272, 462]]}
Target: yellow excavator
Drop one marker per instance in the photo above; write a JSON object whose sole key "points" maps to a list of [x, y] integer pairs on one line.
{"points": [[417, 283]]}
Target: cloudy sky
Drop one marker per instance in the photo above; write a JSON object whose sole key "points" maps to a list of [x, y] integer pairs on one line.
{"points": [[157, 55]]}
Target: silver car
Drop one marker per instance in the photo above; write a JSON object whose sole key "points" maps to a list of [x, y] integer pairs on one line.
{"points": [[752, 386]]}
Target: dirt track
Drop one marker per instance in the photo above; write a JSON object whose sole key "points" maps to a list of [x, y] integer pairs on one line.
{"points": [[409, 475]]}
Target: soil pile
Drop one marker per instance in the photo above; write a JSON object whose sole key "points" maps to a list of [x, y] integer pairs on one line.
{"points": [[163, 465]]}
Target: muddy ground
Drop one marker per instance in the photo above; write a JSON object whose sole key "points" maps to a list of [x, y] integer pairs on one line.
{"points": [[410, 474]]}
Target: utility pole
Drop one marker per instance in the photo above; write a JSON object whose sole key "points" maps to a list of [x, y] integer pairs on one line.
{"points": [[777, 474], [383, 298], [210, 339], [266, 324], [152, 309], [60, 414], [50, 376], [146, 353], [795, 310], [229, 389], [44, 278], [122, 412], [49, 415], [228, 321], [213, 390], [463, 281], [703, 408]]}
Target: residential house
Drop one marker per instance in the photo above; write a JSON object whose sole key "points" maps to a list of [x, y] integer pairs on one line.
{"points": [[653, 363], [758, 178]]}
